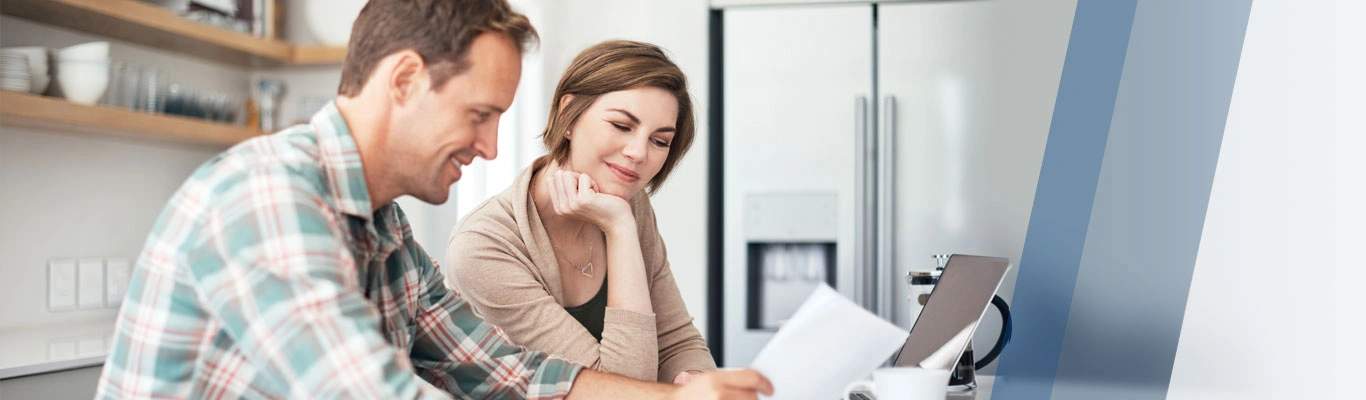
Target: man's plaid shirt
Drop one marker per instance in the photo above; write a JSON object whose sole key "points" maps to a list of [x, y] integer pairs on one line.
{"points": [[268, 276]]}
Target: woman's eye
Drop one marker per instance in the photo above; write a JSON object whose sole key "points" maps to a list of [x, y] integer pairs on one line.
{"points": [[483, 116], [621, 127], [660, 142]]}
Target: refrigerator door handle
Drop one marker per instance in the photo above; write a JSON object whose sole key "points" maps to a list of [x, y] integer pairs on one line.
{"points": [[885, 201], [863, 199]]}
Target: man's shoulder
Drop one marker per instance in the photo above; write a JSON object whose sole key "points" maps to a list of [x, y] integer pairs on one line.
{"points": [[289, 159]]}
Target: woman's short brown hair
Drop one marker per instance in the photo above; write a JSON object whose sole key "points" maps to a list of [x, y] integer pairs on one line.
{"points": [[441, 31], [612, 66]]}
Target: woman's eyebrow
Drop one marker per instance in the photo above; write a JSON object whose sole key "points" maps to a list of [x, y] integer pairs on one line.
{"points": [[635, 120]]}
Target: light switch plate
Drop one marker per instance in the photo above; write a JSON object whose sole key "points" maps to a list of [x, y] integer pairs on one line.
{"points": [[117, 271], [90, 283], [61, 285]]}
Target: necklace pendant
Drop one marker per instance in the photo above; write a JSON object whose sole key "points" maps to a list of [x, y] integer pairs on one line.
{"points": [[587, 270]]}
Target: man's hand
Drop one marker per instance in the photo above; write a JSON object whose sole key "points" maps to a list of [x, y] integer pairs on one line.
{"points": [[724, 384]]}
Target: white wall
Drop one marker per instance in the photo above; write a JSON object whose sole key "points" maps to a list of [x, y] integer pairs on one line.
{"points": [[1274, 311], [83, 196]]}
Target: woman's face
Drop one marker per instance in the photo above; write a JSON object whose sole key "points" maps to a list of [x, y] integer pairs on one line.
{"points": [[622, 140]]}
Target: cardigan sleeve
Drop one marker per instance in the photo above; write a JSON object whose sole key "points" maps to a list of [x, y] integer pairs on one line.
{"points": [[681, 347], [490, 268]]}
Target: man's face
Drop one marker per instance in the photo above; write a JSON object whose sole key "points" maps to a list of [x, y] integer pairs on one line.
{"points": [[442, 130]]}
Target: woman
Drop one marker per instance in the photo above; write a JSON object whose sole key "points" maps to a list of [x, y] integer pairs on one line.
{"points": [[568, 260]]}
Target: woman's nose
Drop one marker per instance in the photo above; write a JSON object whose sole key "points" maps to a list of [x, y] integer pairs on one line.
{"points": [[635, 150]]}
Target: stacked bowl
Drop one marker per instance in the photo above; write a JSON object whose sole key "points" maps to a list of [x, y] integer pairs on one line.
{"points": [[83, 71], [14, 72], [37, 66]]}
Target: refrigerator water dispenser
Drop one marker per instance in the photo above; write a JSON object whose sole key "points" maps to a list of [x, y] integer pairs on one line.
{"points": [[791, 246]]}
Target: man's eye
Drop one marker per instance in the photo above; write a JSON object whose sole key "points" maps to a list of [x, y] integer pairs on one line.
{"points": [[483, 116]]}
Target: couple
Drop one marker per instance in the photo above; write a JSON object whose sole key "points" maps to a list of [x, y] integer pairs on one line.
{"points": [[283, 269]]}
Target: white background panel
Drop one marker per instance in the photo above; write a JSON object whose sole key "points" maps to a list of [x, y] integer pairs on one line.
{"points": [[1269, 315]]}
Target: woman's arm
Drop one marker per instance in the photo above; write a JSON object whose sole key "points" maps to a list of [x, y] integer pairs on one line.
{"points": [[681, 347], [491, 271]]}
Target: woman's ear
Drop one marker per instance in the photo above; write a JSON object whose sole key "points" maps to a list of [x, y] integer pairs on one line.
{"points": [[564, 102]]}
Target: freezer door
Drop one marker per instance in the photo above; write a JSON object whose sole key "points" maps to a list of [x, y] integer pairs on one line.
{"points": [[793, 77], [973, 85]]}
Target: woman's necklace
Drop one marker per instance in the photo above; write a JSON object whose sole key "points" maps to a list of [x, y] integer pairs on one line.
{"points": [[587, 268]]}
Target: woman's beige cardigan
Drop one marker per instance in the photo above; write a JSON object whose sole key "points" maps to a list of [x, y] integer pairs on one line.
{"points": [[500, 259]]}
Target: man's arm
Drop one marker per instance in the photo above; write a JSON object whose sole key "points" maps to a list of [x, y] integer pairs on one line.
{"points": [[458, 351], [272, 267]]}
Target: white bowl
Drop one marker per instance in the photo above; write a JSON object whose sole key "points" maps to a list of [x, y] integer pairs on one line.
{"points": [[92, 51], [37, 66], [330, 20], [83, 81]]}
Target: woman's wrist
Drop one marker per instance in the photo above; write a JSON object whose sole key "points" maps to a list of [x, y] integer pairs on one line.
{"points": [[620, 225]]}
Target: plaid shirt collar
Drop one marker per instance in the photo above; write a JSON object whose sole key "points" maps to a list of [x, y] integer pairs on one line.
{"points": [[341, 163]]}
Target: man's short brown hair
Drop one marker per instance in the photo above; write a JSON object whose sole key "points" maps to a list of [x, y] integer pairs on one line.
{"points": [[439, 30], [617, 65]]}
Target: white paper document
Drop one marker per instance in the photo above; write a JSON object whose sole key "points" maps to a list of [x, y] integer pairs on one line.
{"points": [[828, 343]]}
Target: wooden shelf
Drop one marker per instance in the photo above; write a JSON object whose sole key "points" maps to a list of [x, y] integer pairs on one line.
{"points": [[304, 55], [153, 26], [23, 110]]}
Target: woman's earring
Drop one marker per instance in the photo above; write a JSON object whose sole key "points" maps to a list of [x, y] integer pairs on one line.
{"points": [[566, 134]]}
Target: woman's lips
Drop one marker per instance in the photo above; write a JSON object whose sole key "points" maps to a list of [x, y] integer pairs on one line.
{"points": [[624, 174]]}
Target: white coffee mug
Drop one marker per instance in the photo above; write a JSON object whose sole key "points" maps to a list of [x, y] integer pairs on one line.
{"points": [[905, 383]]}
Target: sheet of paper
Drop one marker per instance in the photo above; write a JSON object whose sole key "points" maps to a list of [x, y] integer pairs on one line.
{"points": [[828, 343]]}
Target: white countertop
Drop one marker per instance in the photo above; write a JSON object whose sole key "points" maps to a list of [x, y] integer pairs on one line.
{"points": [[53, 348], [56, 348]]}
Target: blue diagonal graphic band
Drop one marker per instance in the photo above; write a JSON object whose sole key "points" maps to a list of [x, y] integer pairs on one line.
{"points": [[1063, 199], [1149, 211], [1119, 209]]}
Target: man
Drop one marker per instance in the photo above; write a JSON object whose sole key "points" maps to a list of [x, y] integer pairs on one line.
{"points": [[282, 268]]}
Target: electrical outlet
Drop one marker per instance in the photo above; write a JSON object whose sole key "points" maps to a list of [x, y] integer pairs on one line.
{"points": [[90, 283], [117, 272], [61, 285]]}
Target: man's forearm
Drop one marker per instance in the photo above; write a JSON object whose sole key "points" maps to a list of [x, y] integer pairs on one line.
{"points": [[590, 384]]}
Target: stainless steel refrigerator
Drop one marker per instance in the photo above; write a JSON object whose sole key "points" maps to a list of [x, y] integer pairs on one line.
{"points": [[853, 140]]}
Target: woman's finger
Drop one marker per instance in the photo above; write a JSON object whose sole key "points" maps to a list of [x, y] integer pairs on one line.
{"points": [[556, 192], [566, 191], [585, 185]]}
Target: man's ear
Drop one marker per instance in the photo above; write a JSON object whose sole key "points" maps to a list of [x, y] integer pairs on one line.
{"points": [[408, 77]]}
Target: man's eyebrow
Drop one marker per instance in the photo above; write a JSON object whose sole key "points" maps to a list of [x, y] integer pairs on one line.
{"points": [[500, 110]]}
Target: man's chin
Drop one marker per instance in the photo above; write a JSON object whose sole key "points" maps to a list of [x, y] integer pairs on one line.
{"points": [[433, 198]]}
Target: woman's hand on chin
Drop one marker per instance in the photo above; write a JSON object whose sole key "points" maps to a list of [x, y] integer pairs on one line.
{"points": [[575, 195]]}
